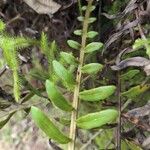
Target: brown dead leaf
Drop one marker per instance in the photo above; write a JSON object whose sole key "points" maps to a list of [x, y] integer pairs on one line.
{"points": [[134, 61], [43, 6]]}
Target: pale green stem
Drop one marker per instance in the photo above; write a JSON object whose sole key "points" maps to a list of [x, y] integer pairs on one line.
{"points": [[71, 145]]}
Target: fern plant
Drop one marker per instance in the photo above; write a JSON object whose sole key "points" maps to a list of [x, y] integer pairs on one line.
{"points": [[10, 46], [66, 74]]}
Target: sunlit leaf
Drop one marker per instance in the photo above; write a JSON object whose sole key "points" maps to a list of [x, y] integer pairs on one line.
{"points": [[78, 32], [92, 68], [97, 94], [80, 18], [63, 73], [92, 34], [47, 126], [136, 91], [91, 8], [139, 43], [68, 58], [92, 19], [74, 44], [98, 119], [94, 46], [130, 74], [56, 97]]}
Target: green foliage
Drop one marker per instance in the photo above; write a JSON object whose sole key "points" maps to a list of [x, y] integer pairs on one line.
{"points": [[102, 140], [48, 49], [94, 46], [91, 8], [10, 46], [96, 94], [130, 74], [92, 68], [44, 123], [65, 77], [92, 34], [98, 119], [3, 122], [74, 44], [140, 43], [63, 74], [80, 18], [78, 32], [68, 58], [129, 145], [2, 26], [92, 19], [136, 91], [56, 97]]}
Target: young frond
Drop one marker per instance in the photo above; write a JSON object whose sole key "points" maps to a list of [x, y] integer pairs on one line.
{"points": [[48, 50], [10, 46], [44, 44], [22, 42]]}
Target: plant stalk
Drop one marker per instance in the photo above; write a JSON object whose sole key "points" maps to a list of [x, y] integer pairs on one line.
{"points": [[71, 145]]}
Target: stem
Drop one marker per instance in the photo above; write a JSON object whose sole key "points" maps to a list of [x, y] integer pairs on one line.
{"points": [[71, 145], [119, 118]]}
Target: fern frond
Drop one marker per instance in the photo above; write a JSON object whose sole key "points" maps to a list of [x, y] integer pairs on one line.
{"points": [[48, 50], [6, 44], [44, 44], [10, 46], [22, 42]]}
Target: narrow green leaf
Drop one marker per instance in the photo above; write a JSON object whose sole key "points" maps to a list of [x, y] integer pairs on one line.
{"points": [[63, 73], [3, 122], [94, 46], [98, 119], [44, 44], [130, 145], [136, 91], [80, 18], [56, 97], [97, 94], [92, 34], [92, 19], [78, 32], [130, 74], [102, 139], [68, 58], [74, 44], [92, 68], [47, 126]]}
